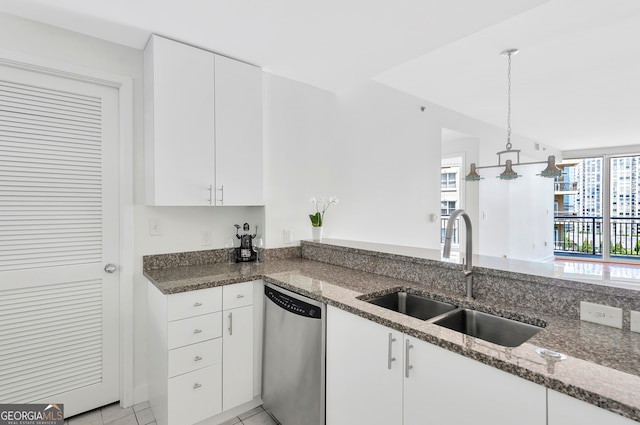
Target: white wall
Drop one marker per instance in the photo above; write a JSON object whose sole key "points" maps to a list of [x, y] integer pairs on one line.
{"points": [[386, 168], [371, 146], [299, 125], [516, 217]]}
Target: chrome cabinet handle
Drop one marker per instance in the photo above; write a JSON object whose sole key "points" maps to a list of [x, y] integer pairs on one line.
{"points": [[221, 194], [389, 354], [230, 323], [197, 359], [407, 366], [197, 304], [197, 331], [196, 386], [240, 296], [210, 194]]}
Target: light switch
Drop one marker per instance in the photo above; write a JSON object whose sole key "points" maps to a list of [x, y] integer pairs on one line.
{"points": [[154, 227]]}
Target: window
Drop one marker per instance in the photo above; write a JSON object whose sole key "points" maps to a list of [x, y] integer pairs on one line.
{"points": [[448, 180], [451, 194], [447, 207], [597, 227]]}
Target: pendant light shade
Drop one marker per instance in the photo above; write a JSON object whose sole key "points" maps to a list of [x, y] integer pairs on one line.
{"points": [[508, 173], [552, 169], [473, 174]]}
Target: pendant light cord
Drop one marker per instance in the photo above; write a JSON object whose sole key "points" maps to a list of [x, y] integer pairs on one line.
{"points": [[509, 104]]}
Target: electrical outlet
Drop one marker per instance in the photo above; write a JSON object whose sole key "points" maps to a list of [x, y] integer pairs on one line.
{"points": [[154, 227], [287, 236], [206, 237], [602, 314], [635, 321]]}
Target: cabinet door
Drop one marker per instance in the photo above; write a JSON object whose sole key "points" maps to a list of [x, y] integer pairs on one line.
{"points": [[179, 123], [237, 356], [364, 384], [566, 410], [444, 387], [239, 147]]}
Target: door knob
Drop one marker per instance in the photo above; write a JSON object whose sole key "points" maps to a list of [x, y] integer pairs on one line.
{"points": [[110, 268]]}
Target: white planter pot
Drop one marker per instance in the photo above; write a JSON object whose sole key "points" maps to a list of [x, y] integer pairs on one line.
{"points": [[316, 233]]}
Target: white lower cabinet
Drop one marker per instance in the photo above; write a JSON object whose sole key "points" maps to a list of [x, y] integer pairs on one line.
{"points": [[201, 352], [376, 375], [363, 371], [566, 410], [195, 396], [237, 345], [446, 387]]}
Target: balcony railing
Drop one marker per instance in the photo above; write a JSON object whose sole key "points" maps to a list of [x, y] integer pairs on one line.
{"points": [[455, 237], [581, 235], [565, 186]]}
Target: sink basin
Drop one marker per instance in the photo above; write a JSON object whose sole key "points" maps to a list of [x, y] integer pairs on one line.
{"points": [[412, 305], [496, 329]]}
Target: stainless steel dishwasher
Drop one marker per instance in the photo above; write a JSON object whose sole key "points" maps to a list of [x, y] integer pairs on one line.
{"points": [[293, 370]]}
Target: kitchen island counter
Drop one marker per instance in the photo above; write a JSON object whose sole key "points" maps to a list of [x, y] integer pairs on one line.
{"points": [[602, 365]]}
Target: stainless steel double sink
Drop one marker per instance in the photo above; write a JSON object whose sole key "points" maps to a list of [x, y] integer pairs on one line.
{"points": [[496, 329]]}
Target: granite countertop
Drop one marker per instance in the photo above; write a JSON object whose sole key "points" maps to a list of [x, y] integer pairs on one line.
{"points": [[602, 365], [626, 276]]}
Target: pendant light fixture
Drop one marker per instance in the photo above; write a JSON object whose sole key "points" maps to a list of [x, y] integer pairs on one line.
{"points": [[509, 173]]}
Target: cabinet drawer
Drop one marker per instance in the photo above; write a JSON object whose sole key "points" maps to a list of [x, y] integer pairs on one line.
{"points": [[196, 356], [194, 303], [195, 396], [237, 295], [194, 329]]}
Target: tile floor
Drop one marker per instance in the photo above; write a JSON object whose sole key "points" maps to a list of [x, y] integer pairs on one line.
{"points": [[141, 414], [257, 416], [113, 414]]}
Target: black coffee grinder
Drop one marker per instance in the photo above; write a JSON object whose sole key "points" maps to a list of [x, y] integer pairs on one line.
{"points": [[245, 253]]}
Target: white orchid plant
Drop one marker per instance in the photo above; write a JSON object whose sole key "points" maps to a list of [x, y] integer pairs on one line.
{"points": [[322, 205]]}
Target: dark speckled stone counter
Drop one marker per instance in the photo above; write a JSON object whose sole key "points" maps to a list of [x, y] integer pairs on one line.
{"points": [[602, 365]]}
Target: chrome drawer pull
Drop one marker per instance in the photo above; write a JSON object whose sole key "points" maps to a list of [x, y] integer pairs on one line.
{"points": [[230, 323], [239, 296], [197, 359], [389, 354], [197, 331], [197, 305], [196, 386]]}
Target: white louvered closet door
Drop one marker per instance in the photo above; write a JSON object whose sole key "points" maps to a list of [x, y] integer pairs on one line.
{"points": [[59, 215]]}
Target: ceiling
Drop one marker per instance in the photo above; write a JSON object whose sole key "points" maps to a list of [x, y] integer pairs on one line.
{"points": [[576, 80]]}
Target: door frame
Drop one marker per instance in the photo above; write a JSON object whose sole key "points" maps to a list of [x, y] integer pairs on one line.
{"points": [[124, 85]]}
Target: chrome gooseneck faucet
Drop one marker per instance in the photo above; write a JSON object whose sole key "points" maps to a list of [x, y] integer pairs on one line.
{"points": [[446, 253]]}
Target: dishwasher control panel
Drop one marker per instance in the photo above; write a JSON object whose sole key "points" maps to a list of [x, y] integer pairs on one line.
{"points": [[292, 304]]}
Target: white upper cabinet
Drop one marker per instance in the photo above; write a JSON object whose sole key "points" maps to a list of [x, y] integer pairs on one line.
{"points": [[201, 147], [238, 133], [179, 123]]}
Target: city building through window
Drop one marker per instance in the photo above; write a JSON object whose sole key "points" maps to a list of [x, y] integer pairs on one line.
{"points": [[598, 210]]}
